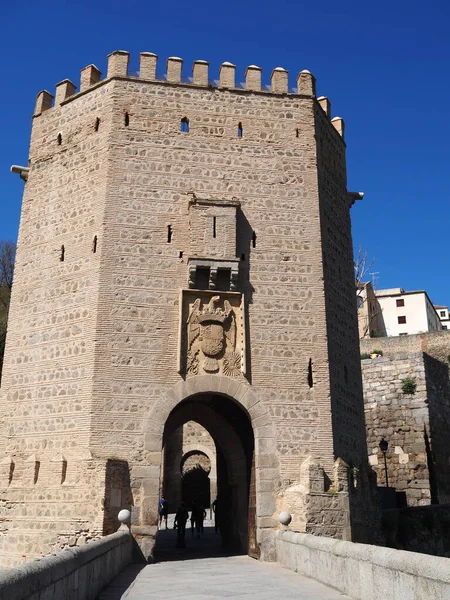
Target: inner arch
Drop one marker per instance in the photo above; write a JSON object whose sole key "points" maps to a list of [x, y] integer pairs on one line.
{"points": [[228, 426]]}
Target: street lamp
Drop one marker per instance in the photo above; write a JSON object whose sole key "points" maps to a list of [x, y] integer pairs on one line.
{"points": [[383, 447]]}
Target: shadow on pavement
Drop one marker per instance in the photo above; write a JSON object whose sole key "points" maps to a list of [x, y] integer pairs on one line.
{"points": [[208, 545], [118, 586]]}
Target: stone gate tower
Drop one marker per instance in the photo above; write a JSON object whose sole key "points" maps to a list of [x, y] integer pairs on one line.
{"points": [[184, 255]]}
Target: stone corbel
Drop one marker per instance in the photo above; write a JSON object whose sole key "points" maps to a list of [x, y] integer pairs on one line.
{"points": [[213, 277], [353, 196]]}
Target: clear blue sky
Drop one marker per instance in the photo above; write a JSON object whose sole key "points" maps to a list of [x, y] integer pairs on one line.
{"points": [[384, 66]]}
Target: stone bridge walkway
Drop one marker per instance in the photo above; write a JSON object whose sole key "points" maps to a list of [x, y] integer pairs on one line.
{"points": [[236, 577], [201, 572]]}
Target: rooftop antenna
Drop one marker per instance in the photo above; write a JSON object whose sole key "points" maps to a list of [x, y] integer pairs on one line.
{"points": [[375, 278]]}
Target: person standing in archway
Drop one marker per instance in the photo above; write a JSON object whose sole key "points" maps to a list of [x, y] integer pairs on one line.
{"points": [[215, 507], [193, 515], [201, 516], [181, 518], [163, 510]]}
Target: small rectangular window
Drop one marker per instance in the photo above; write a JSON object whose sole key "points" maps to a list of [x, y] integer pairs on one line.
{"points": [[223, 280], [400, 302], [403, 334], [442, 313], [444, 326], [202, 278], [401, 320]]}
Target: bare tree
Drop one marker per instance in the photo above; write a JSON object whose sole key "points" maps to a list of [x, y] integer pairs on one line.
{"points": [[362, 266], [368, 308], [7, 258]]}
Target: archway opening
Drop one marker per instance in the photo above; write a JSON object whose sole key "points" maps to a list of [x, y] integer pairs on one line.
{"points": [[208, 465], [195, 483]]}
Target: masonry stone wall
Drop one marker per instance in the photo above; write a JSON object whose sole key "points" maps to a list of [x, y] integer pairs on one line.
{"points": [[363, 571], [433, 343], [73, 574], [401, 420], [438, 396], [93, 350], [423, 529], [415, 426]]}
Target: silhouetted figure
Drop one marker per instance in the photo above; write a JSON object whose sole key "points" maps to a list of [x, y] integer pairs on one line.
{"points": [[216, 509], [225, 517], [163, 510], [181, 518], [193, 515], [199, 518]]}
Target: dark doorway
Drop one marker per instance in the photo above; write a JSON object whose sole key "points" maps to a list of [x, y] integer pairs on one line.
{"points": [[232, 529], [195, 484]]}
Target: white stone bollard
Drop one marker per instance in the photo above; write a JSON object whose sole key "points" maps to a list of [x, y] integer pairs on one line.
{"points": [[124, 516], [284, 517]]}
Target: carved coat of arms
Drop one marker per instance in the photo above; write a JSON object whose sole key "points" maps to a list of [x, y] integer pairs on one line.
{"points": [[211, 332]]}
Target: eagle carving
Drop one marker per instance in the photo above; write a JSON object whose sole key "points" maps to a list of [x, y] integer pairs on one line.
{"points": [[212, 331]]}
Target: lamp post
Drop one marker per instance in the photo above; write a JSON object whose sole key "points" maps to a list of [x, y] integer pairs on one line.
{"points": [[383, 447]]}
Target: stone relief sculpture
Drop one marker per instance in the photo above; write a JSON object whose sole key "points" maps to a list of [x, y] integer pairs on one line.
{"points": [[213, 327], [212, 337]]}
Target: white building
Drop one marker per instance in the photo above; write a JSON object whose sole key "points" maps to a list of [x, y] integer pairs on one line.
{"points": [[444, 317], [404, 313]]}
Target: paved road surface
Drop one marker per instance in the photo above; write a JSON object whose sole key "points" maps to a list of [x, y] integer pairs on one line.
{"points": [[236, 577], [203, 572]]}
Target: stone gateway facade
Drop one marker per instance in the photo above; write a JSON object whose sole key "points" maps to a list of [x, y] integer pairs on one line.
{"points": [[184, 255]]}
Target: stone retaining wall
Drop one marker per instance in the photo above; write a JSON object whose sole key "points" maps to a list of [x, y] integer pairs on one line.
{"points": [[434, 343], [73, 574], [424, 529], [362, 571], [416, 426]]}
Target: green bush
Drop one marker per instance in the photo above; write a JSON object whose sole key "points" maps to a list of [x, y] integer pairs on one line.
{"points": [[380, 352], [365, 355], [377, 333], [409, 386]]}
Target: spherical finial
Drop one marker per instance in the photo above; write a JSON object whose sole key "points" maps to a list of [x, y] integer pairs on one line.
{"points": [[284, 517], [124, 515]]}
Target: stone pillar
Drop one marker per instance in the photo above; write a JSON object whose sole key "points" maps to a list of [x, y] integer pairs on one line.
{"points": [[279, 81], [90, 75], [325, 104], [253, 78], [147, 65], [339, 125], [306, 83], [64, 89], [174, 66], [118, 63], [227, 74], [43, 102], [200, 72]]}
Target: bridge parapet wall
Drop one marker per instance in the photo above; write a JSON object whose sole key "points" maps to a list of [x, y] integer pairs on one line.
{"points": [[74, 574], [362, 571]]}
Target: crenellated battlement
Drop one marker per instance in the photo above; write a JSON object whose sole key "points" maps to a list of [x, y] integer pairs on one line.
{"points": [[118, 67]]}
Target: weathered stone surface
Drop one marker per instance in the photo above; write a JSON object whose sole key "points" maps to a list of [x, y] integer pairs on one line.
{"points": [[109, 233], [364, 571], [416, 426]]}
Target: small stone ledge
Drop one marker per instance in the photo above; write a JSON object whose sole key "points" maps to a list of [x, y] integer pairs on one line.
{"points": [[361, 570], [79, 573]]}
